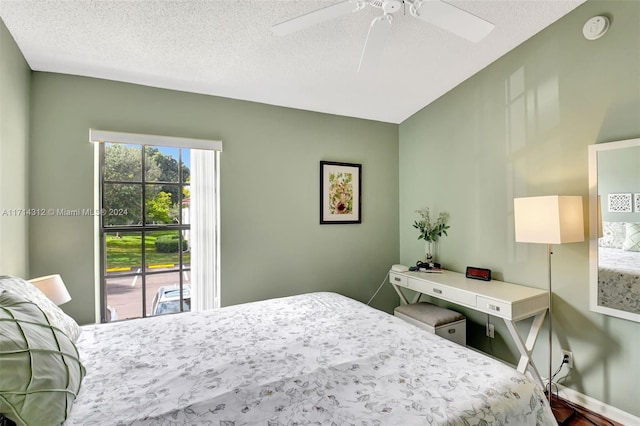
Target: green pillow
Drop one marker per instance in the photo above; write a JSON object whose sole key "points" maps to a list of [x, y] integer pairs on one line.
{"points": [[632, 237], [57, 317], [41, 369]]}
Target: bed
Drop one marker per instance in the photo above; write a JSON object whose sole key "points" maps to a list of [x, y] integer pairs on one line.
{"points": [[619, 279], [318, 358], [619, 267]]}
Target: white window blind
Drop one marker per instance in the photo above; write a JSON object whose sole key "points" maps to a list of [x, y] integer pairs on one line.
{"points": [[105, 136], [205, 225]]}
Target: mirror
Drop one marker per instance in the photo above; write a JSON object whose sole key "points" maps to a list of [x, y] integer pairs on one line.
{"points": [[614, 228]]}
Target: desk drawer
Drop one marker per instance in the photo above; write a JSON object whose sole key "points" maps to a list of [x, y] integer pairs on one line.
{"points": [[494, 307], [397, 279], [443, 292]]}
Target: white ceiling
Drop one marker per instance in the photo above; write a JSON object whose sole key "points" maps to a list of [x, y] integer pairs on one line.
{"points": [[226, 48]]}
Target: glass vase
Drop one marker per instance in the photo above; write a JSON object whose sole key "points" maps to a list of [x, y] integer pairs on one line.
{"points": [[428, 250]]}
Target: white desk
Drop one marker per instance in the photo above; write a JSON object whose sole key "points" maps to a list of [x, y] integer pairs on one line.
{"points": [[511, 302]]}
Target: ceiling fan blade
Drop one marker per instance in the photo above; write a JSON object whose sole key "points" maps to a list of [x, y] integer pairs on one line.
{"points": [[378, 32], [452, 19], [316, 17]]}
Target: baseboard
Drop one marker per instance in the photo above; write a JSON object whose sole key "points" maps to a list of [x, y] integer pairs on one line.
{"points": [[596, 406]]}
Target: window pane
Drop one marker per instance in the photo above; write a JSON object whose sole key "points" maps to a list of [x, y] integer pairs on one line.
{"points": [[163, 294], [186, 203], [186, 249], [161, 164], [124, 296], [122, 204], [124, 252], [122, 162], [186, 165], [162, 204], [162, 250], [146, 187]]}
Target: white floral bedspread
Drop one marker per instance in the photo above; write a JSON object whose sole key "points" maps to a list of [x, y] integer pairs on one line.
{"points": [[319, 358], [619, 279]]}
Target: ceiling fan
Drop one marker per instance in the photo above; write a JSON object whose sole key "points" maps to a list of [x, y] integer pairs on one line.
{"points": [[436, 12]]}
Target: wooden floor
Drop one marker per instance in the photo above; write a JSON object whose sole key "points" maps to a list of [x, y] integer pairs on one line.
{"points": [[569, 414]]}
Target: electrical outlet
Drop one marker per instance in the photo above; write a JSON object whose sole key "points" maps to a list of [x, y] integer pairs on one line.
{"points": [[569, 356], [490, 331]]}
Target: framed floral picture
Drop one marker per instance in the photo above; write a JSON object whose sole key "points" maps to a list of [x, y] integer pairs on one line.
{"points": [[340, 193]]}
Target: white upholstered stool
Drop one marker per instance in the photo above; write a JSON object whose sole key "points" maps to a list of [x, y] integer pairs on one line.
{"points": [[444, 322]]}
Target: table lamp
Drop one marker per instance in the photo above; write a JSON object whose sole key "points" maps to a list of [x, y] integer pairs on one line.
{"points": [[53, 287]]}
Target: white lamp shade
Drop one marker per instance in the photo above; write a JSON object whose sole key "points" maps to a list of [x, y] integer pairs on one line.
{"points": [[53, 287], [553, 219]]}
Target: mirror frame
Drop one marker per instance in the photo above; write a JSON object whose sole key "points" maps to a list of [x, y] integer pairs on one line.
{"points": [[593, 227]]}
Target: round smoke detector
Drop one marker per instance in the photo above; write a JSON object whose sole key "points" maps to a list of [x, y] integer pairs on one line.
{"points": [[595, 27]]}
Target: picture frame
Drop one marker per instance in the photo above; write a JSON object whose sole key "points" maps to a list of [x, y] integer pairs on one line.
{"points": [[340, 193], [619, 203]]}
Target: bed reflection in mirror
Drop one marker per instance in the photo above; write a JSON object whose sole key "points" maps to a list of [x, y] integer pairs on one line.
{"points": [[614, 206]]}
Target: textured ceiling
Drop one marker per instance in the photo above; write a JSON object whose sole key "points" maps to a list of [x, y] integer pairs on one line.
{"points": [[226, 48]]}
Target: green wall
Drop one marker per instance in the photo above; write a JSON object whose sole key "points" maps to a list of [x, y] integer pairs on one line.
{"points": [[15, 78], [520, 128], [271, 241], [618, 172]]}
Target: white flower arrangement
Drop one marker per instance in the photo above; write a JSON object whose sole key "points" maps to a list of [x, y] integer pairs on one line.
{"points": [[429, 231]]}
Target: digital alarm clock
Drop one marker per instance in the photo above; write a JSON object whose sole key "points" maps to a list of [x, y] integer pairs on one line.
{"points": [[478, 273]]}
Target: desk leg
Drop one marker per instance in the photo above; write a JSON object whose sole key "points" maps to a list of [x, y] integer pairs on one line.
{"points": [[403, 298], [525, 348]]}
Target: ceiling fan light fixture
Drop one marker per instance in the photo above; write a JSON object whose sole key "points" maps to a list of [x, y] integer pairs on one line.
{"points": [[436, 12], [391, 6]]}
